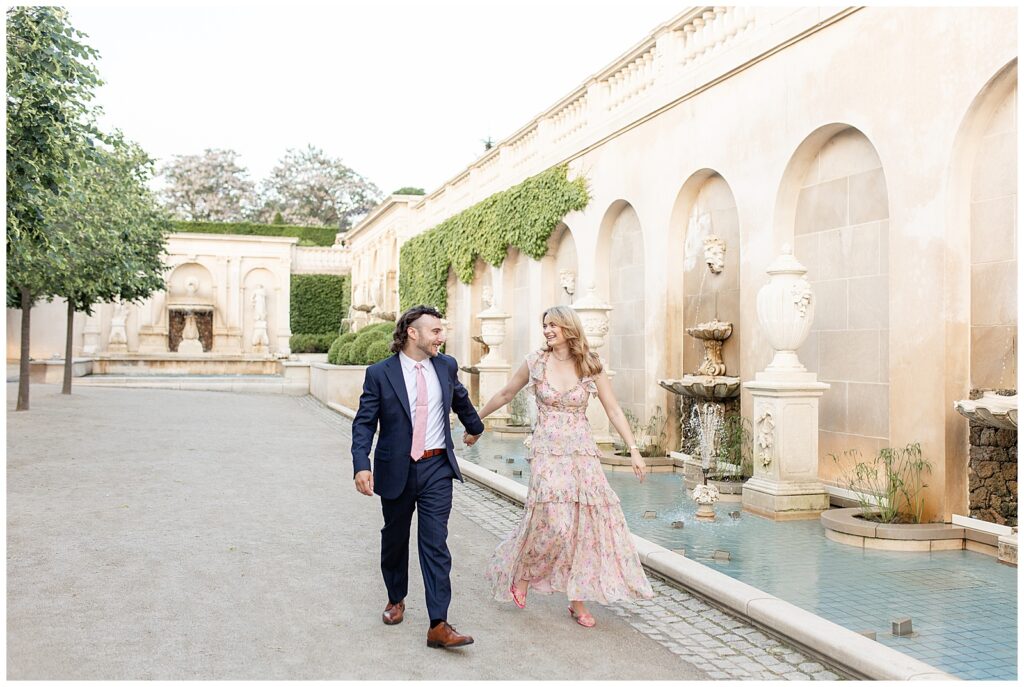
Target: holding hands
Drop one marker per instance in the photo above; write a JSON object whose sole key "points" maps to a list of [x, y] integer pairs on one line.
{"points": [[469, 439]]}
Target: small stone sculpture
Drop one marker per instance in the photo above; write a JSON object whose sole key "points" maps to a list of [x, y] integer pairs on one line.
{"points": [[714, 253]]}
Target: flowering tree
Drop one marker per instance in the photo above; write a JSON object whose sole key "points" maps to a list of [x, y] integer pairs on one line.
{"points": [[309, 188], [211, 187]]}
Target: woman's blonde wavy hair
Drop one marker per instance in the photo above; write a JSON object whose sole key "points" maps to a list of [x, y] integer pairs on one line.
{"points": [[588, 364]]}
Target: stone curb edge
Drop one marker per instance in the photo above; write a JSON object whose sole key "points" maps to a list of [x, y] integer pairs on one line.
{"points": [[851, 651]]}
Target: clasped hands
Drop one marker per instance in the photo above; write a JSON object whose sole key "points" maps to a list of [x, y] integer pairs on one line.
{"points": [[470, 439]]}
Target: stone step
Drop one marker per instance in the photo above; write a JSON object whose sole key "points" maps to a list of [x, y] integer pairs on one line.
{"points": [[252, 384]]}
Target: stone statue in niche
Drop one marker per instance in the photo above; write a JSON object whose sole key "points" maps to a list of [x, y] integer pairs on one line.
{"points": [[260, 338], [118, 341], [487, 297], [190, 342], [714, 253], [259, 302], [191, 286]]}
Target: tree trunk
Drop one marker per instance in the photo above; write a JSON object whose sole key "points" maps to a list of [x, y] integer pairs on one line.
{"points": [[23, 369], [68, 362]]}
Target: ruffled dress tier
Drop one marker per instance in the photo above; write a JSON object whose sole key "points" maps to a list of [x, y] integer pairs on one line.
{"points": [[573, 536]]}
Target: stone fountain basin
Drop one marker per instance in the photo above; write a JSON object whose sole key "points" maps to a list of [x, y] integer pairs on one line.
{"points": [[706, 387], [714, 330]]}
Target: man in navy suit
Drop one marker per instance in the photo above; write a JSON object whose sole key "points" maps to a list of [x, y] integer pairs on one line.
{"points": [[410, 395]]}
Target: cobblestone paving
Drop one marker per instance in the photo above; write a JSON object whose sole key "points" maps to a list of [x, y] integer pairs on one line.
{"points": [[700, 634]]}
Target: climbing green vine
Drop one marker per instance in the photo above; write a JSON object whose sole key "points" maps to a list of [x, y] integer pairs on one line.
{"points": [[522, 216]]}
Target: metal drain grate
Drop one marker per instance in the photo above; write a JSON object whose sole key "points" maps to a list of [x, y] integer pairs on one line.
{"points": [[935, 579]]}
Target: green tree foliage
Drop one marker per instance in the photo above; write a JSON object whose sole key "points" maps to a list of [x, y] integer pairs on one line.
{"points": [[50, 134], [319, 302], [409, 191], [522, 216], [50, 81], [113, 235]]}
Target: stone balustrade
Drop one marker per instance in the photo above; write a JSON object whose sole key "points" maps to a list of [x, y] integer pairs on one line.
{"points": [[673, 52], [321, 260]]}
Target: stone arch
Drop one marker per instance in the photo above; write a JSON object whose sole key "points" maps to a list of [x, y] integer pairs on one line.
{"points": [[981, 285], [833, 208], [517, 296], [253, 279], [621, 268], [562, 271], [706, 206], [191, 282]]}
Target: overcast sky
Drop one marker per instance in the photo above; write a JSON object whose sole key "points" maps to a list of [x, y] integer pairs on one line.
{"points": [[404, 92]]}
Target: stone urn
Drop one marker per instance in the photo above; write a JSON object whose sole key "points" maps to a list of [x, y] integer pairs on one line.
{"points": [[706, 496], [492, 332], [785, 309], [593, 314]]}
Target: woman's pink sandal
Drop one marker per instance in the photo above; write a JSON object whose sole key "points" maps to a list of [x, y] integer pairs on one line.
{"points": [[584, 619], [516, 599]]}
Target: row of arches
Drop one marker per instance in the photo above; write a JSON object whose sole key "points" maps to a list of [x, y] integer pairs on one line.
{"points": [[833, 206]]}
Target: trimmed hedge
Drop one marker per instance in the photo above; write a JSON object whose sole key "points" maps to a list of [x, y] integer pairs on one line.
{"points": [[318, 302], [311, 343], [315, 236], [365, 347]]}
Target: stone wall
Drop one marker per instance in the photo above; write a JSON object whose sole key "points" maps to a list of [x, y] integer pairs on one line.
{"points": [[992, 474]]}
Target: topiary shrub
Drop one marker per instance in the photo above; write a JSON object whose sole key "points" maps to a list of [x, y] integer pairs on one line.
{"points": [[311, 343], [345, 354], [377, 351], [334, 352], [348, 337]]}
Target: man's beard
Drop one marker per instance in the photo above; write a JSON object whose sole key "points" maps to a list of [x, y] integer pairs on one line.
{"points": [[428, 349]]}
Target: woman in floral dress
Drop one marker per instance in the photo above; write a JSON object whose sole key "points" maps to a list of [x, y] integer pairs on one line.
{"points": [[573, 537]]}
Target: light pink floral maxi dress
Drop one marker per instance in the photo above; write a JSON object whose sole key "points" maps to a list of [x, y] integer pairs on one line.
{"points": [[573, 536]]}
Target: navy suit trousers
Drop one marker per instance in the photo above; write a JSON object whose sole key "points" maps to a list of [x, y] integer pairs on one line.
{"points": [[428, 489]]}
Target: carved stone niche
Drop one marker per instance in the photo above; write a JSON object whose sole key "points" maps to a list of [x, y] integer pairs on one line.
{"points": [[204, 321]]}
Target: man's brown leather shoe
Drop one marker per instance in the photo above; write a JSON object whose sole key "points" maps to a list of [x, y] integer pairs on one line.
{"points": [[444, 636], [394, 613]]}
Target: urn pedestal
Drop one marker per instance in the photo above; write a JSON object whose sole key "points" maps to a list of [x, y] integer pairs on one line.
{"points": [[493, 367], [785, 484]]}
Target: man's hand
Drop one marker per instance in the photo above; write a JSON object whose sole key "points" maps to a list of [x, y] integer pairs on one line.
{"points": [[364, 482], [469, 439]]}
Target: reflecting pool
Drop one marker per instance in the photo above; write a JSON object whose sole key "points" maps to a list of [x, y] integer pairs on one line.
{"points": [[963, 605]]}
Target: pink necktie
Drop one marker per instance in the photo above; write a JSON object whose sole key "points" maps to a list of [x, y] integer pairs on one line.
{"points": [[419, 425]]}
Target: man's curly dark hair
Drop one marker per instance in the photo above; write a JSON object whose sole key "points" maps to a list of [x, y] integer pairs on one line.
{"points": [[406, 320]]}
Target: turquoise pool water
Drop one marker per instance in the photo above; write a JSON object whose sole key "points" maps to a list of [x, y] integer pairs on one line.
{"points": [[963, 605]]}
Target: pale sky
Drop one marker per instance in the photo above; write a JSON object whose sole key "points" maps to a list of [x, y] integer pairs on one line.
{"points": [[404, 92]]}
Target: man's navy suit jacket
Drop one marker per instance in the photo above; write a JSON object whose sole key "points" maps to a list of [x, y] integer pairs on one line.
{"points": [[384, 401]]}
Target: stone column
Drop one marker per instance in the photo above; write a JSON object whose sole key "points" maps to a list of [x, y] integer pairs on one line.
{"points": [[785, 484], [593, 313], [493, 367]]}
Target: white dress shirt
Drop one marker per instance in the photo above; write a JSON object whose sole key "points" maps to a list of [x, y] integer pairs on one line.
{"points": [[435, 409]]}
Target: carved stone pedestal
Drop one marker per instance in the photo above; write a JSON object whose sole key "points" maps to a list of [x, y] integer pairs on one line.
{"points": [[785, 483]]}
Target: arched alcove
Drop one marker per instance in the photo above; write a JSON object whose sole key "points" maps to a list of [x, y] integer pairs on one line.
{"points": [[835, 199], [621, 254], [706, 207]]}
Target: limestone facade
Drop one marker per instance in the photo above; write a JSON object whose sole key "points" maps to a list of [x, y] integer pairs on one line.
{"points": [[879, 142], [238, 288]]}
